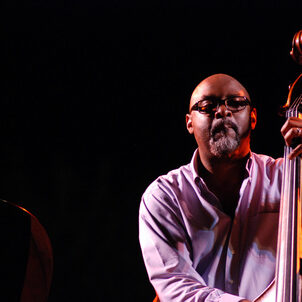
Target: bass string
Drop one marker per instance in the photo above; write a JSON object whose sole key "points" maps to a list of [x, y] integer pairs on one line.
{"points": [[294, 108], [292, 165]]}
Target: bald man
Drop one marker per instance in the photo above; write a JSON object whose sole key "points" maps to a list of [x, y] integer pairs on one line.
{"points": [[208, 230]]}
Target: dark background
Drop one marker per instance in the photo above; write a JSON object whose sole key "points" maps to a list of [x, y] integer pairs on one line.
{"points": [[93, 109]]}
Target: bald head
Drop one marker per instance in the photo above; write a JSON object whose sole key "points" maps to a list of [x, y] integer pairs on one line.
{"points": [[218, 85]]}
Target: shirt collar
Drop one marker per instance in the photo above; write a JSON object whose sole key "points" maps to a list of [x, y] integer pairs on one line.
{"points": [[195, 159], [193, 164]]}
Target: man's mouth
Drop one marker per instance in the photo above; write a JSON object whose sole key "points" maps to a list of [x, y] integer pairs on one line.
{"points": [[223, 128]]}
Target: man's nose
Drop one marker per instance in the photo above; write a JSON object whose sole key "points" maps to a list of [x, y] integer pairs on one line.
{"points": [[222, 111]]}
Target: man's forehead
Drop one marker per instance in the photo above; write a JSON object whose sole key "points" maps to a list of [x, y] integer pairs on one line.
{"points": [[218, 85]]}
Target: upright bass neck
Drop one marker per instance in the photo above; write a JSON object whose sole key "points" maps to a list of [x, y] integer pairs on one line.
{"points": [[289, 251], [288, 278]]}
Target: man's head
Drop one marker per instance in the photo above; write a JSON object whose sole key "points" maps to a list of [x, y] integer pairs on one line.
{"points": [[221, 126]]}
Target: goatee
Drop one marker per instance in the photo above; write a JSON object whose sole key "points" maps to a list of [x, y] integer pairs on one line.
{"points": [[224, 138]]}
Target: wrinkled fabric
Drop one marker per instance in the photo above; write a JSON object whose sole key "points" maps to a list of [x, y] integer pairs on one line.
{"points": [[193, 251]]}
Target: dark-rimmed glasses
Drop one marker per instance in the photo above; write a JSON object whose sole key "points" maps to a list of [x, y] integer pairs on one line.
{"points": [[232, 103]]}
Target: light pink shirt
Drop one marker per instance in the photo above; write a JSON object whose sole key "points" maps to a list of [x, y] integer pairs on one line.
{"points": [[191, 248]]}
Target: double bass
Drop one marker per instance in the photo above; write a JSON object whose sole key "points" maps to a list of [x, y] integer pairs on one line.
{"points": [[287, 286]]}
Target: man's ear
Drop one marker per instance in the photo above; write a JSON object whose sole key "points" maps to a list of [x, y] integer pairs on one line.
{"points": [[253, 118], [189, 123]]}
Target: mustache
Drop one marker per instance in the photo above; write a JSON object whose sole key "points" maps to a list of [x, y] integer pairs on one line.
{"points": [[222, 125]]}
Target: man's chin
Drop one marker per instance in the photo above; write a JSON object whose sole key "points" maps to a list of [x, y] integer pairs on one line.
{"points": [[223, 147]]}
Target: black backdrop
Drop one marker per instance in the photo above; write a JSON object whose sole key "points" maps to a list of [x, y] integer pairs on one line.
{"points": [[93, 109]]}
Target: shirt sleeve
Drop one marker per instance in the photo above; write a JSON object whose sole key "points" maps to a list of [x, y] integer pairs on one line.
{"points": [[166, 252]]}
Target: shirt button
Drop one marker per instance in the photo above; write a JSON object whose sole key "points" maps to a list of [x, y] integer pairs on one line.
{"points": [[233, 252]]}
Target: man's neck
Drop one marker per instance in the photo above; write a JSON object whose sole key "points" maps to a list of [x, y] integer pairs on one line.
{"points": [[227, 168], [224, 177]]}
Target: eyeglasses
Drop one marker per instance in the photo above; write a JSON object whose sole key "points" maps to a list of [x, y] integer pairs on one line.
{"points": [[232, 103]]}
